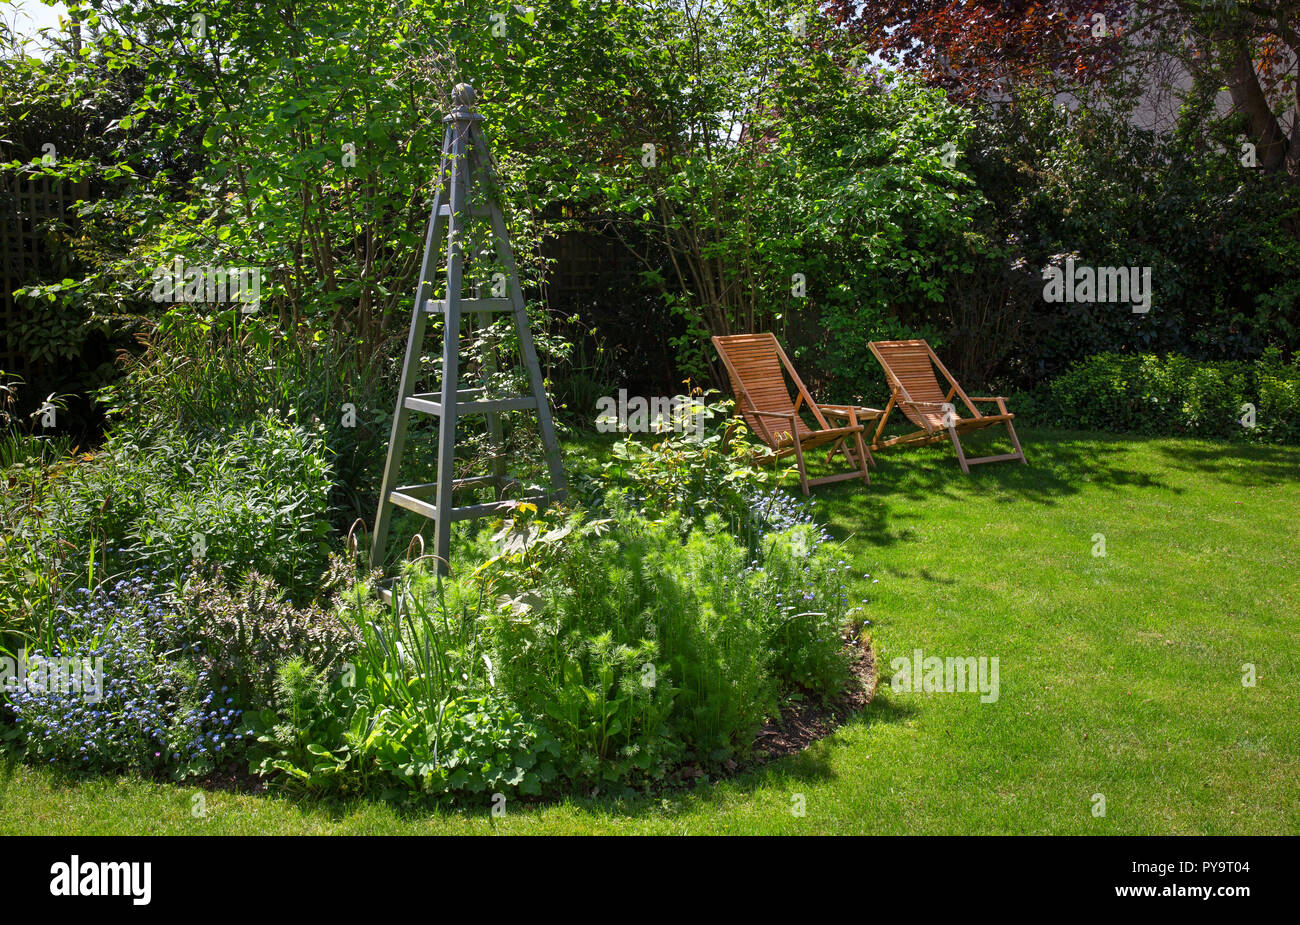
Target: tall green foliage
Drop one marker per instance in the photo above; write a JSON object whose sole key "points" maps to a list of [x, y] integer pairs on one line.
{"points": [[729, 135], [1218, 236]]}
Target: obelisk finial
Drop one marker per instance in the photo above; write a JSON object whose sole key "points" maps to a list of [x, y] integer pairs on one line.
{"points": [[463, 96]]}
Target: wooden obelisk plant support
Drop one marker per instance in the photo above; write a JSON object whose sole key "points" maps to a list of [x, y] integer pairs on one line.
{"points": [[466, 169]]}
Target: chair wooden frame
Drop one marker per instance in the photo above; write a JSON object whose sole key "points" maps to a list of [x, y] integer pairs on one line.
{"points": [[754, 363], [914, 389]]}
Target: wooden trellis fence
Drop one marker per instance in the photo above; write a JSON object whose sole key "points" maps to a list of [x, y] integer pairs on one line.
{"points": [[26, 204]]}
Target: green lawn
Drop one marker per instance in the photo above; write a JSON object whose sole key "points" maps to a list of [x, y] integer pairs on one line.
{"points": [[1119, 675]]}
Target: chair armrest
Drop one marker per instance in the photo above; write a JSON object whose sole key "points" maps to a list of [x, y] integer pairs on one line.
{"points": [[946, 407], [849, 410], [768, 414], [1001, 400]]}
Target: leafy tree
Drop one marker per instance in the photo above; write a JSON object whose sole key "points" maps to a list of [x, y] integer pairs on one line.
{"points": [[990, 48], [724, 136], [998, 49]]}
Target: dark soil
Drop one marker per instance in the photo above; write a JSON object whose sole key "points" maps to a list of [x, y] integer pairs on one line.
{"points": [[802, 723], [233, 778]]}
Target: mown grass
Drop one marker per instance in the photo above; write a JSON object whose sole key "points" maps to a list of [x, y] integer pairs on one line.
{"points": [[1119, 675]]}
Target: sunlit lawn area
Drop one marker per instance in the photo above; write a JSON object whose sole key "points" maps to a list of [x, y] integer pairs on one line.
{"points": [[1119, 675]]}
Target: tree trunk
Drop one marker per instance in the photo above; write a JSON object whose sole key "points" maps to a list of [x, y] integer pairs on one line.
{"points": [[1248, 97]]}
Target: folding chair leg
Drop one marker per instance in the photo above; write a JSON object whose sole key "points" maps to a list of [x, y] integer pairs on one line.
{"points": [[803, 472], [839, 447], [956, 445], [1015, 441], [863, 456], [880, 425]]}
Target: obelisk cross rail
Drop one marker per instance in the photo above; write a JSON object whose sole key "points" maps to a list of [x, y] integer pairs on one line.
{"points": [[465, 161]]}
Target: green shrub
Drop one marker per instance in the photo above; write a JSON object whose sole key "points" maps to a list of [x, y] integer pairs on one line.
{"points": [[1278, 405], [253, 498], [415, 719], [201, 376], [331, 739], [570, 638], [699, 465], [605, 651], [1092, 183], [240, 635], [256, 498], [1173, 395], [638, 647]]}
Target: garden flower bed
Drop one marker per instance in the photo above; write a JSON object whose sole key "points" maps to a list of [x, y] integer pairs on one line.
{"points": [[684, 618]]}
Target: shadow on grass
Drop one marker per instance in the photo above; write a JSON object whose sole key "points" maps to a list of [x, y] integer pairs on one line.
{"points": [[1061, 464], [8, 765], [811, 765], [1244, 465]]}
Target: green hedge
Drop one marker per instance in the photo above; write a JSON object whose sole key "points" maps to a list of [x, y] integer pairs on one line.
{"points": [[1173, 395]]}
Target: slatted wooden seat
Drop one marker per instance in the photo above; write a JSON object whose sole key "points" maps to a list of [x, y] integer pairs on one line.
{"points": [[756, 366], [909, 366]]}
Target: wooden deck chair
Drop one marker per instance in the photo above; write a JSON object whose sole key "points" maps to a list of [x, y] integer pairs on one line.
{"points": [[917, 393], [756, 365]]}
